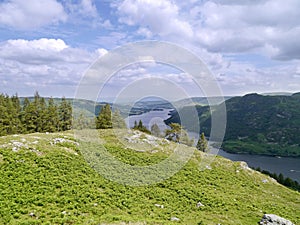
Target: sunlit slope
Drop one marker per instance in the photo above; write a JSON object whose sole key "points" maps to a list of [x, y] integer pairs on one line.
{"points": [[45, 179]]}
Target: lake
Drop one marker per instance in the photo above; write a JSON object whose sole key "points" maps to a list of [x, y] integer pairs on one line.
{"points": [[157, 116], [289, 167]]}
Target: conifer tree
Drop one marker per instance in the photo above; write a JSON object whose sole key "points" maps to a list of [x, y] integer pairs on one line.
{"points": [[65, 115], [178, 134], [202, 144], [52, 118], [42, 115], [3, 115], [104, 119], [173, 134], [155, 131], [140, 126], [16, 114], [29, 116], [117, 120]]}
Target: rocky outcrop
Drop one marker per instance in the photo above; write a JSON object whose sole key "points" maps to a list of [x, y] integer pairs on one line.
{"points": [[271, 219]]}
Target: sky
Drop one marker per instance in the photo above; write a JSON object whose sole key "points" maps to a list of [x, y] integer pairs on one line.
{"points": [[249, 46]]}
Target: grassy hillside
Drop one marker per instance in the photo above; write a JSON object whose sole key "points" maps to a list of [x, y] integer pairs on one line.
{"points": [[44, 179], [257, 124]]}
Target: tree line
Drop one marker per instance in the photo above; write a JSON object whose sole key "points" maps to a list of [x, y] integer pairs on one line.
{"points": [[39, 115], [286, 181], [33, 115]]}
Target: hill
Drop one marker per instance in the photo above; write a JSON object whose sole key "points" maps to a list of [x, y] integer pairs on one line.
{"points": [[45, 180], [257, 124], [200, 101]]}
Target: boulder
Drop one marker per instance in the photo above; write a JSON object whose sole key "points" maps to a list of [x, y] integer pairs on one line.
{"points": [[271, 219], [199, 204], [175, 219]]}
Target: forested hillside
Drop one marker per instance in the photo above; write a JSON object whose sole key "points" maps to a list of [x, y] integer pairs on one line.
{"points": [[258, 124]]}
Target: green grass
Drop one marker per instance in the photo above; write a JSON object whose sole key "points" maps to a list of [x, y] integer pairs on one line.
{"points": [[54, 182]]}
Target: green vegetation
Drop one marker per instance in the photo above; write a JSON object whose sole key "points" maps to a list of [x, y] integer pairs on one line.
{"points": [[202, 144], [286, 181], [108, 119], [103, 120], [44, 179], [117, 120], [140, 126], [256, 124], [177, 134], [33, 116], [155, 131]]}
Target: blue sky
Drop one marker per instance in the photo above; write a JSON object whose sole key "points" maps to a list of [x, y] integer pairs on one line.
{"points": [[249, 45]]}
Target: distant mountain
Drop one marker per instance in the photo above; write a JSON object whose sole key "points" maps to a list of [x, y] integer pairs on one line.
{"points": [[257, 124]]}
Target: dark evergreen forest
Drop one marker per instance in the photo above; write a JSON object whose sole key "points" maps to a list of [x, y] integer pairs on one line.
{"points": [[33, 115]]}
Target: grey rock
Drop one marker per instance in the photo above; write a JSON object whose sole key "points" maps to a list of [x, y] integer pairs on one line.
{"points": [[271, 219], [175, 219], [199, 204]]}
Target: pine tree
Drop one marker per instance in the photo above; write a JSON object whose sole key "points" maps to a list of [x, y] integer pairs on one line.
{"points": [[35, 110], [173, 134], [178, 134], [3, 115], [42, 115], [155, 131], [104, 119], [29, 116], [135, 125], [17, 114], [52, 117], [140, 126], [65, 115], [117, 120], [185, 139], [202, 144]]}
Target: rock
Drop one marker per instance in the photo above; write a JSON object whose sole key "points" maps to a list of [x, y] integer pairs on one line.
{"points": [[208, 167], [244, 166], [199, 204], [271, 219], [175, 219], [159, 206]]}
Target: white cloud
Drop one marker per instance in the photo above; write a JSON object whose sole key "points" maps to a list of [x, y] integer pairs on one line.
{"points": [[31, 14], [43, 63], [85, 8], [244, 26], [161, 17]]}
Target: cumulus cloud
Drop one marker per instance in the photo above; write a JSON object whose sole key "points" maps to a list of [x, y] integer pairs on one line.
{"points": [[31, 14], [229, 26], [43, 62], [244, 26], [160, 17]]}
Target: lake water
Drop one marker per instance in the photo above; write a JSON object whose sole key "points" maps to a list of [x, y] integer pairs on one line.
{"points": [[289, 167], [150, 118]]}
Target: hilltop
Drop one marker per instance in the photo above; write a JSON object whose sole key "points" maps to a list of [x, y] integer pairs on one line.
{"points": [[257, 124], [45, 180]]}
